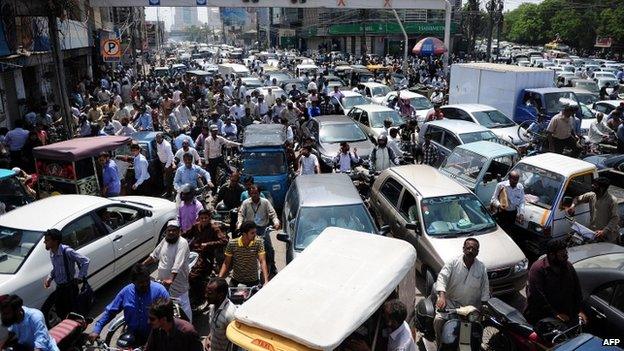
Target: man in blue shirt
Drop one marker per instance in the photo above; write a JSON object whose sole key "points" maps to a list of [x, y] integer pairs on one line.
{"points": [[111, 184], [229, 130], [27, 327], [134, 300], [144, 122], [180, 138], [189, 174], [64, 260], [141, 173]]}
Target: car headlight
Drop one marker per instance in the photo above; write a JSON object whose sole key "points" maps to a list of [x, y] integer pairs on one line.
{"points": [[521, 266], [327, 160]]}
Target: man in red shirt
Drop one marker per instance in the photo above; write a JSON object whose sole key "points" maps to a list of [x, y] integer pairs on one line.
{"points": [[435, 115]]}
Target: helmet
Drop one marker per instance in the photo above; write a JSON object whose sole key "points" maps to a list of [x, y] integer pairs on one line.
{"points": [[126, 340]]}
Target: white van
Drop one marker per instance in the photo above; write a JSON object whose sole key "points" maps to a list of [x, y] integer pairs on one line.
{"points": [[234, 68]]}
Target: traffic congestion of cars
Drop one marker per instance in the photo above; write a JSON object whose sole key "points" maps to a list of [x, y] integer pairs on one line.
{"points": [[370, 186]]}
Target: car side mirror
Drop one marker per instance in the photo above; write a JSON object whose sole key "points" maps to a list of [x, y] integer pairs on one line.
{"points": [[147, 213], [415, 226], [384, 230], [283, 237]]}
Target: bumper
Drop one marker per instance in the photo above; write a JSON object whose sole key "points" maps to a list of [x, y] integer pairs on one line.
{"points": [[509, 284]]}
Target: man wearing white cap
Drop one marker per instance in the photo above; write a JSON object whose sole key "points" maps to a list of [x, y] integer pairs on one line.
{"points": [[172, 255]]}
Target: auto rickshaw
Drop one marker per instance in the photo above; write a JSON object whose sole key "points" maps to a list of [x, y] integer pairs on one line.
{"points": [[331, 294], [71, 167], [263, 157]]}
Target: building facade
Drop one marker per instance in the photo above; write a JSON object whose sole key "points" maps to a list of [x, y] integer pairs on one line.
{"points": [[185, 17]]}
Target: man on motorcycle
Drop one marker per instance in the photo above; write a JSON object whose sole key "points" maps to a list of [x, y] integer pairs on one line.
{"points": [[189, 174], [26, 326], [244, 256], [382, 157], [170, 333], [230, 193], [462, 281], [134, 300], [346, 160], [393, 316], [553, 289]]}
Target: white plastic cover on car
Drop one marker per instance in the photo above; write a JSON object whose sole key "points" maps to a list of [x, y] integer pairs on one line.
{"points": [[331, 288]]}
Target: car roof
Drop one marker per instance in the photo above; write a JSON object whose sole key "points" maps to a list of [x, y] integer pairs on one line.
{"points": [[46, 211], [331, 189], [6, 173], [471, 107], [333, 119], [559, 164], [615, 103], [581, 252], [458, 126], [350, 93], [488, 148], [409, 94], [428, 181], [373, 84], [373, 108]]}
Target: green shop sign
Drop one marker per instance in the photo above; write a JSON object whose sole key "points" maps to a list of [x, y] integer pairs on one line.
{"points": [[380, 28]]}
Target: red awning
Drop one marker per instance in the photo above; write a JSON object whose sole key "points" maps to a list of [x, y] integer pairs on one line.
{"points": [[79, 148]]}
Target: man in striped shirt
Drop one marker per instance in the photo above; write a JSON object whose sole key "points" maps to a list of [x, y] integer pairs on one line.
{"points": [[243, 255]]}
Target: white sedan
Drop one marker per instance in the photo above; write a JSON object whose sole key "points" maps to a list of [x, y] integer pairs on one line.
{"points": [[114, 233]]}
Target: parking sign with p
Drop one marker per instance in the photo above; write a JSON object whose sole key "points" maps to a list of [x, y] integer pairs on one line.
{"points": [[111, 50]]}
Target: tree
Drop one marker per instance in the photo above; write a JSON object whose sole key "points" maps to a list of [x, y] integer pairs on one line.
{"points": [[525, 26]]}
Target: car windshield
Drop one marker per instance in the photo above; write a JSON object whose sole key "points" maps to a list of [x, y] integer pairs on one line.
{"points": [[540, 186], [350, 101], [15, 246], [586, 98], [464, 164], [312, 221], [554, 101], [589, 85], [264, 163], [477, 136], [493, 119], [379, 117], [610, 261], [380, 91], [420, 103], [336, 133], [456, 215], [12, 193], [586, 112]]}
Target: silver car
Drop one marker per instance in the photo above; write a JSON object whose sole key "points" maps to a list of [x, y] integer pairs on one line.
{"points": [[436, 214]]}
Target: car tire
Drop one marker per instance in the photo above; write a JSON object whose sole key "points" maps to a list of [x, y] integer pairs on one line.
{"points": [[429, 281], [49, 311]]}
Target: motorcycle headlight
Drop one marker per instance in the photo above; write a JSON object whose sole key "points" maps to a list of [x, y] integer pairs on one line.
{"points": [[474, 316], [521, 266]]}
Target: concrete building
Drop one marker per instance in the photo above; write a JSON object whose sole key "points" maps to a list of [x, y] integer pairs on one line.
{"points": [[27, 69], [185, 17]]}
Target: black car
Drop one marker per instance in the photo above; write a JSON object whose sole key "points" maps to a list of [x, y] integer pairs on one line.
{"points": [[600, 268], [329, 131]]}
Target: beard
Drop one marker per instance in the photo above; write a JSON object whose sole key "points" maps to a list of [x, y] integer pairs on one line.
{"points": [[172, 240], [7, 322]]}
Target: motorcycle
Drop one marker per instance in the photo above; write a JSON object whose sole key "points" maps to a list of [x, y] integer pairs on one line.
{"points": [[462, 330], [507, 329], [68, 334]]}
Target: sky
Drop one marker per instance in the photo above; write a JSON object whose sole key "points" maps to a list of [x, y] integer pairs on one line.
{"points": [[166, 13]]}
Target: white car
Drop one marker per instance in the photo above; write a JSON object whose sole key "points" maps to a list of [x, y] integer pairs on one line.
{"points": [[114, 233], [374, 91], [421, 105], [371, 118], [606, 106], [489, 117], [350, 99]]}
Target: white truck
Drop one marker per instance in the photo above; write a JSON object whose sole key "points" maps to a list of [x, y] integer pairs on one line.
{"points": [[519, 92]]}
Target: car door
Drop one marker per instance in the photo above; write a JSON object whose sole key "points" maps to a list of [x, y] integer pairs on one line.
{"points": [[131, 232], [449, 142], [576, 185], [386, 202], [84, 235], [605, 309]]}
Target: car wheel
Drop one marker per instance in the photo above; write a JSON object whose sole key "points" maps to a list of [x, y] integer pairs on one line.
{"points": [[429, 281], [49, 312]]}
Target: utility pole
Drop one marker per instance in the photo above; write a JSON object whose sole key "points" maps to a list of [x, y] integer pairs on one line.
{"points": [[499, 25], [491, 8], [258, 27], [363, 47], [269, 41], [61, 85]]}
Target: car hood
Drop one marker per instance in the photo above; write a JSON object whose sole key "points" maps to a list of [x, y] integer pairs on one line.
{"points": [[364, 148], [509, 134], [497, 249], [155, 202]]}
